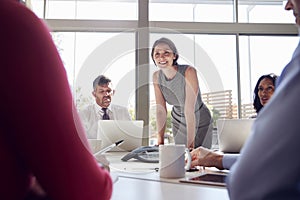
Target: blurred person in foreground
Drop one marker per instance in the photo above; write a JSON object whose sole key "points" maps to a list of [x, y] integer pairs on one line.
{"points": [[268, 166], [43, 149]]}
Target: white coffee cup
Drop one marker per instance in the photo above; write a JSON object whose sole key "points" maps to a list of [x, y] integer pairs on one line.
{"points": [[95, 145], [172, 161]]}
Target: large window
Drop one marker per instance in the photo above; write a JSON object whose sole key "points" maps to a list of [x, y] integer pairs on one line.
{"points": [[254, 11], [231, 43], [262, 55], [86, 9], [263, 11], [191, 11], [87, 55]]}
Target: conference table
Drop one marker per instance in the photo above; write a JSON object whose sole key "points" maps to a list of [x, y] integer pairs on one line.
{"points": [[136, 180]]}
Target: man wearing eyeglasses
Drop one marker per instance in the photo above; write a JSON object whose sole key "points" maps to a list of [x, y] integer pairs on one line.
{"points": [[102, 109]]}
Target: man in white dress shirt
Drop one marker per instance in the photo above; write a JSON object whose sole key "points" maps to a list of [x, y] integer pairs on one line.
{"points": [[102, 109]]}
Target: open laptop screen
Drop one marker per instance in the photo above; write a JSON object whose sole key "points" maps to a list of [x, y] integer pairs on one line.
{"points": [[111, 131], [232, 134]]}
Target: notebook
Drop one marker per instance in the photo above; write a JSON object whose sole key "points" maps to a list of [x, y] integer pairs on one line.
{"points": [[232, 134], [111, 131]]}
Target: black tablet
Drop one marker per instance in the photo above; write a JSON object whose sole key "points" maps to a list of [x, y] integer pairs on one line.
{"points": [[208, 179]]}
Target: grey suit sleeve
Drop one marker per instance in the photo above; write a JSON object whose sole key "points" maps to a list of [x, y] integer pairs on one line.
{"points": [[269, 164], [229, 159]]}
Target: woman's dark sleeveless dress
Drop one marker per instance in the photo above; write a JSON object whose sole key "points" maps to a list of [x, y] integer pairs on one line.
{"points": [[174, 93]]}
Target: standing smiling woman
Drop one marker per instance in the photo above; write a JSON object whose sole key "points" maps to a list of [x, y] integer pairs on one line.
{"points": [[178, 86]]}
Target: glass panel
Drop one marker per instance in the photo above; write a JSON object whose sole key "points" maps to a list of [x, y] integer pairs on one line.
{"points": [[191, 11], [91, 9], [87, 55], [37, 7], [56, 9], [65, 44], [216, 58], [262, 55], [212, 56], [264, 12]]}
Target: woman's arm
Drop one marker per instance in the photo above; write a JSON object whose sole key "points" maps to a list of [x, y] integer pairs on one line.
{"points": [[191, 91], [161, 110]]}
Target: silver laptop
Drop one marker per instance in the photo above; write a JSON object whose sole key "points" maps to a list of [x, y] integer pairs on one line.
{"points": [[111, 131], [232, 134]]}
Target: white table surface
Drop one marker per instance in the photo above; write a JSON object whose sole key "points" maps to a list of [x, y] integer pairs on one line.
{"points": [[140, 181], [137, 189]]}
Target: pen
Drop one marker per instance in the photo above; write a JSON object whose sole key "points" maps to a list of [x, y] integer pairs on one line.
{"points": [[109, 147]]}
